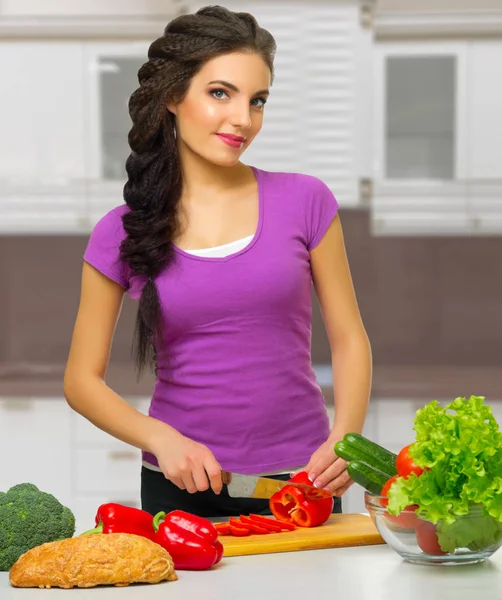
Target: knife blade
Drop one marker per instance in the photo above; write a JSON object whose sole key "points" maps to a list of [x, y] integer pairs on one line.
{"points": [[254, 486]]}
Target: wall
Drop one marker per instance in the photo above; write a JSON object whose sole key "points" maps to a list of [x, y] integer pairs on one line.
{"points": [[437, 5], [425, 301], [85, 7]]}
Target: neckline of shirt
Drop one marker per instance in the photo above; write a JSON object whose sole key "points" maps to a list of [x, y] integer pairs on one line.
{"points": [[222, 246], [248, 247]]}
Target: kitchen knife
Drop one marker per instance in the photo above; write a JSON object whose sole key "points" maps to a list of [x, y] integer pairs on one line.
{"points": [[253, 486]]}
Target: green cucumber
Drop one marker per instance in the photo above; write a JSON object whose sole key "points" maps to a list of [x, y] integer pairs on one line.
{"points": [[356, 447], [367, 476]]}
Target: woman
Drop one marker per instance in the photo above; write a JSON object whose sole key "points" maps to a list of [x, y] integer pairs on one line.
{"points": [[221, 257]]}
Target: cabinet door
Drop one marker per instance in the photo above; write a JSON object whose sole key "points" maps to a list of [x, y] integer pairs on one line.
{"points": [[42, 163], [35, 445], [420, 138], [485, 135], [485, 109], [315, 120], [42, 92], [111, 77]]}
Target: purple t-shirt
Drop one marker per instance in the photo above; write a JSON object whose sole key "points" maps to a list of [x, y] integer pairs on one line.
{"points": [[237, 330]]}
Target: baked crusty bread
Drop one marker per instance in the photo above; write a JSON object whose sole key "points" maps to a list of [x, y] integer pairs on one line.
{"points": [[95, 559]]}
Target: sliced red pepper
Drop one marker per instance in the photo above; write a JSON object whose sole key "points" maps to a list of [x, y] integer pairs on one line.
{"points": [[273, 524], [239, 531], [117, 518], [192, 541], [293, 505], [222, 528], [253, 525]]}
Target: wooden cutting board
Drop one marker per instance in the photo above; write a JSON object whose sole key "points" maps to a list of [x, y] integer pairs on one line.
{"points": [[338, 531]]}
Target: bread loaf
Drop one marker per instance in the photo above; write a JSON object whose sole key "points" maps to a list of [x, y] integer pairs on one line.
{"points": [[90, 560]]}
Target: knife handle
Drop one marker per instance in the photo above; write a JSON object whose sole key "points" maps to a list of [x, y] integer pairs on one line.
{"points": [[226, 477]]}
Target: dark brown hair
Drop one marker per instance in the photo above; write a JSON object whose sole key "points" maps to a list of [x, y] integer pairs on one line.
{"points": [[154, 184]]}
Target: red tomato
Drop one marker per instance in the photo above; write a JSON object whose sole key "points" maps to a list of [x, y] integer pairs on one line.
{"points": [[407, 519], [427, 537], [405, 465], [385, 490]]}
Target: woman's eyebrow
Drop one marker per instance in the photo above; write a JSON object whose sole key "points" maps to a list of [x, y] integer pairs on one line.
{"points": [[231, 86]]}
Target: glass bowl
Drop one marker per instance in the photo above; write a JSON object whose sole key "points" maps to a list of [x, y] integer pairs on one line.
{"points": [[416, 540]]}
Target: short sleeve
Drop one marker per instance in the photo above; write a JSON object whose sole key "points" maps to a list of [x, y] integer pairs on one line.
{"points": [[103, 248], [320, 210]]}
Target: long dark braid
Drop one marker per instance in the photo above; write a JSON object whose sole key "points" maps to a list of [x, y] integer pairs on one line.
{"points": [[154, 185]]}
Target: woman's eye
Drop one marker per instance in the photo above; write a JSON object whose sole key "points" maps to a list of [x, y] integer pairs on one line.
{"points": [[218, 94], [260, 102]]}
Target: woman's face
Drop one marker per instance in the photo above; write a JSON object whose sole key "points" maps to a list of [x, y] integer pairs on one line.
{"points": [[222, 111]]}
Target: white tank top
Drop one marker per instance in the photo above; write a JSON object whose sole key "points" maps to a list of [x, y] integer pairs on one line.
{"points": [[224, 250]]}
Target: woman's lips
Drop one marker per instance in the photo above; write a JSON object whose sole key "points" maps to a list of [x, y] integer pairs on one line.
{"points": [[233, 141]]}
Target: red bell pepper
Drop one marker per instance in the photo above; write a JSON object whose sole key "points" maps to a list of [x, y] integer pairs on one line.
{"points": [[192, 541], [116, 518], [293, 505]]}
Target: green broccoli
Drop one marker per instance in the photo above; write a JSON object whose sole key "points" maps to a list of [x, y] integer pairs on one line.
{"points": [[29, 518]]}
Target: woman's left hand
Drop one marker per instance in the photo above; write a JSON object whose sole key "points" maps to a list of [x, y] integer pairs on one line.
{"points": [[327, 471]]}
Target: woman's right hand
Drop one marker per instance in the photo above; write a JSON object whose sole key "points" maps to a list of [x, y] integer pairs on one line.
{"points": [[188, 464]]}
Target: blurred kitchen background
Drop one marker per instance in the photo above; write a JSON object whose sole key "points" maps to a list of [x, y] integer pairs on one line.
{"points": [[397, 105]]}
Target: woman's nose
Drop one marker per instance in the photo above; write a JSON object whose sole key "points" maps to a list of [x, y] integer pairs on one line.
{"points": [[241, 116]]}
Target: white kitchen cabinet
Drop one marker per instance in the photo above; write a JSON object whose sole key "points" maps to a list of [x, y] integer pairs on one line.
{"points": [[438, 131], [111, 73], [484, 101], [318, 118], [65, 120], [35, 445], [112, 76], [43, 441], [64, 126], [43, 137], [104, 468], [420, 138], [43, 99]]}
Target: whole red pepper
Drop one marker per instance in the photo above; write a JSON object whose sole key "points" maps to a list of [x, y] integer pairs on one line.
{"points": [[293, 505], [192, 541], [116, 518]]}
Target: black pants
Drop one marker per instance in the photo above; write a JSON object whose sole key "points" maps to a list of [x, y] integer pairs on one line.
{"points": [[159, 494]]}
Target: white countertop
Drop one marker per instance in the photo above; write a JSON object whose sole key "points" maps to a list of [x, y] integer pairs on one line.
{"points": [[370, 572]]}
